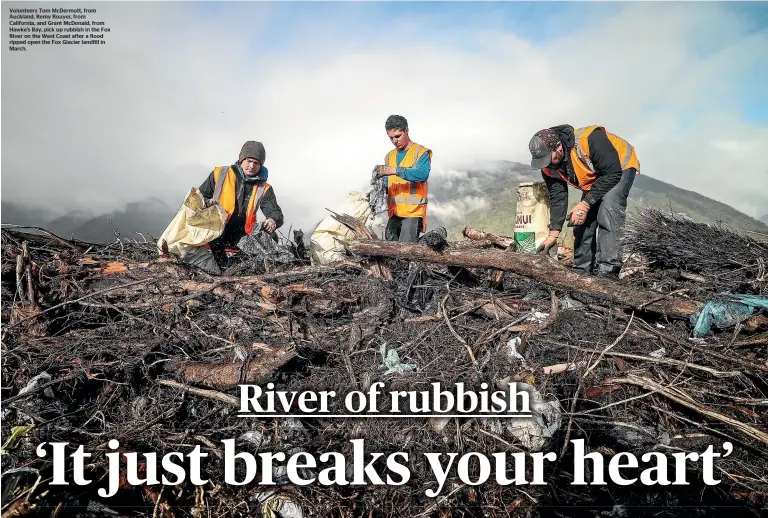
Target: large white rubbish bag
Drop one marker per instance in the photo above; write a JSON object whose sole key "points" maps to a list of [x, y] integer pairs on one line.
{"points": [[198, 222], [326, 244]]}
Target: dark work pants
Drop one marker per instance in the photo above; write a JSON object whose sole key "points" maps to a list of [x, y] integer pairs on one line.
{"points": [[596, 242], [402, 229]]}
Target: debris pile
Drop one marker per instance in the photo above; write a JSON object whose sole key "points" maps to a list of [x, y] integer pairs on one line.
{"points": [[112, 342], [700, 257]]}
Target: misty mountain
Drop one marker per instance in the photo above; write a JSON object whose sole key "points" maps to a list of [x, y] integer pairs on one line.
{"points": [[148, 217], [764, 219], [482, 197], [66, 225], [17, 214], [485, 198]]}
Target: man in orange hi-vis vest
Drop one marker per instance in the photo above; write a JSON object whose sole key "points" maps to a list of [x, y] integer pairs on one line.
{"points": [[242, 189], [406, 170], [601, 165]]}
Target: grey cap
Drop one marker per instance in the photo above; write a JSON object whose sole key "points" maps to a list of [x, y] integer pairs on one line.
{"points": [[253, 149], [541, 154], [541, 146]]}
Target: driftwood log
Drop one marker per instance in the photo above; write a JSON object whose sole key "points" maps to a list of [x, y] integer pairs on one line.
{"points": [[230, 375], [537, 267], [480, 235]]}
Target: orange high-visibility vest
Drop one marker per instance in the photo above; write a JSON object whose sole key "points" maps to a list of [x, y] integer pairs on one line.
{"points": [[225, 194], [407, 199], [582, 165]]}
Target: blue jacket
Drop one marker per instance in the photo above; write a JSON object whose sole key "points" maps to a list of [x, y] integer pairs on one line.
{"points": [[419, 173]]}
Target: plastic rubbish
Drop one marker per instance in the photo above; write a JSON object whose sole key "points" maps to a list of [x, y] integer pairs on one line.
{"points": [[202, 258], [377, 195], [538, 317], [32, 401], [261, 246], [391, 361], [197, 222], [566, 302], [531, 216], [725, 314], [512, 346], [40, 379], [535, 432], [438, 424], [327, 241], [275, 504]]}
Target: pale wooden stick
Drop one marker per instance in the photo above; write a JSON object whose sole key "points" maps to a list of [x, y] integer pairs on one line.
{"points": [[211, 394], [667, 361], [671, 394]]}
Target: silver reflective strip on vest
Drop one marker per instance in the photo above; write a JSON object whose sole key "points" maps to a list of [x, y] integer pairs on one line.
{"points": [[412, 199], [415, 156], [579, 152], [584, 158], [627, 155], [260, 190], [223, 172]]}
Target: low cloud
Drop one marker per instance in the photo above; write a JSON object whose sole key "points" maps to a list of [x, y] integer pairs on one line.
{"points": [[176, 92], [457, 210]]}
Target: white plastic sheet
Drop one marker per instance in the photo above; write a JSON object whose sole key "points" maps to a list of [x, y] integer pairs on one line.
{"points": [[197, 222], [326, 244]]}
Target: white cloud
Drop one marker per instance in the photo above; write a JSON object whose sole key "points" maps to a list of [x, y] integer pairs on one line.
{"points": [[449, 212], [171, 96]]}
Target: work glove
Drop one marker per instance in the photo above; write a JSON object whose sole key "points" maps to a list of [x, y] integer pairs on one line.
{"points": [[548, 243], [269, 225], [579, 214]]}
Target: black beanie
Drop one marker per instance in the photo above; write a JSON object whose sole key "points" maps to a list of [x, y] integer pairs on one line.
{"points": [[253, 149]]}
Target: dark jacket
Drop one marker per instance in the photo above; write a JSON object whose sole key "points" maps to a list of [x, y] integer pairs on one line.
{"points": [[235, 228], [605, 160]]}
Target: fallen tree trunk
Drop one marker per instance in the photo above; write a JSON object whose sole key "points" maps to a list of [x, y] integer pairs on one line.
{"points": [[230, 375], [537, 267]]}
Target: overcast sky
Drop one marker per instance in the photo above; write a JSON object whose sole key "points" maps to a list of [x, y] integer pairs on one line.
{"points": [[180, 86]]}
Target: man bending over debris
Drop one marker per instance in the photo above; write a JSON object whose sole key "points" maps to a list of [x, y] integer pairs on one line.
{"points": [[406, 170], [241, 189], [603, 167]]}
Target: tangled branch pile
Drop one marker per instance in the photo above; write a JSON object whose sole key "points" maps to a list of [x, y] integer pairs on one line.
{"points": [[115, 343], [718, 258]]}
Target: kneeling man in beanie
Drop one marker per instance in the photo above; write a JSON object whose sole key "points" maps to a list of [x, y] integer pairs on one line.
{"points": [[603, 167], [242, 189]]}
